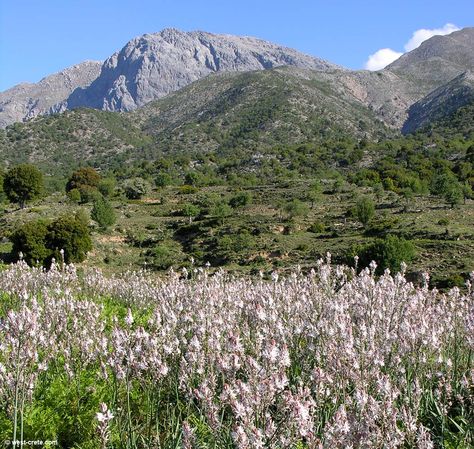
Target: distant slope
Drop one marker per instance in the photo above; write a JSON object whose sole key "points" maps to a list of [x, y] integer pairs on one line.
{"points": [[257, 109], [61, 142], [222, 113], [25, 101], [440, 103]]}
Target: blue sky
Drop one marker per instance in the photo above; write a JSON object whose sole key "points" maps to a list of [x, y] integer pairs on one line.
{"points": [[42, 37]]}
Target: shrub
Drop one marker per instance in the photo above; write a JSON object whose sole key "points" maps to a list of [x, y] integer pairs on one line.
{"points": [[88, 194], [163, 179], [233, 247], [30, 241], [389, 252], [103, 213], [296, 208], [136, 188], [71, 234], [364, 210], [165, 255], [40, 241], [187, 189], [221, 211], [240, 199], [23, 183], [85, 176], [190, 211], [107, 187], [74, 195], [317, 227]]}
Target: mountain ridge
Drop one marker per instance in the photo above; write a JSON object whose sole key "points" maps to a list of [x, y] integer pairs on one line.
{"points": [[155, 65]]}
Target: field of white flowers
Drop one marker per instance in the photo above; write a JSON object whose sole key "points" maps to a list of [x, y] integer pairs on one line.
{"points": [[329, 359]]}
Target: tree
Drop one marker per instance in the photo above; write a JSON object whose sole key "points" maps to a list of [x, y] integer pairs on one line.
{"points": [[29, 240], [447, 186], [23, 183], [103, 213], [364, 210], [136, 188], [85, 176], [71, 234], [191, 210]]}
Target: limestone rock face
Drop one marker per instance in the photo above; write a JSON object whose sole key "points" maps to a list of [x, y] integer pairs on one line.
{"points": [[441, 102], [27, 100], [153, 65]]}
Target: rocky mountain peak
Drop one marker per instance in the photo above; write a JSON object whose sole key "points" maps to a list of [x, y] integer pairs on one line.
{"points": [[153, 65]]}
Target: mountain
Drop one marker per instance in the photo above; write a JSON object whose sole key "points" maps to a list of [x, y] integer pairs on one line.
{"points": [[153, 65], [406, 95], [27, 100], [440, 103], [436, 61]]}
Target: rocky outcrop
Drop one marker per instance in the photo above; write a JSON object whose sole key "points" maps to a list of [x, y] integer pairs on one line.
{"points": [[153, 65], [27, 100]]}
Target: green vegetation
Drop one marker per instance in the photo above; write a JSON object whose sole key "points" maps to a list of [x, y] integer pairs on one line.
{"points": [[240, 193], [136, 188], [67, 238], [389, 253], [103, 213], [364, 210], [23, 183]]}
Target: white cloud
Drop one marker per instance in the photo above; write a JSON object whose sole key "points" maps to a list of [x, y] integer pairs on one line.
{"points": [[422, 35], [386, 56], [381, 59]]}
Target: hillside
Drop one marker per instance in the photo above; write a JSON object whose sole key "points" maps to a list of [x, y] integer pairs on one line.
{"points": [[440, 103], [223, 113]]}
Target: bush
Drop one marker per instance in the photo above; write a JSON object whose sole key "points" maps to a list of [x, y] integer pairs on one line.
{"points": [[380, 227], [187, 189], [296, 208], [364, 210], [317, 227], [107, 187], [236, 246], [71, 234], [85, 176], [389, 252], [39, 241], [23, 183], [88, 194], [74, 195], [29, 240], [190, 211], [103, 213], [240, 199], [163, 179], [165, 255], [136, 188], [221, 211]]}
